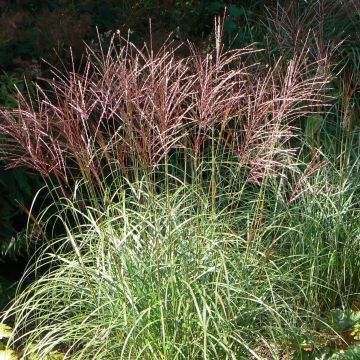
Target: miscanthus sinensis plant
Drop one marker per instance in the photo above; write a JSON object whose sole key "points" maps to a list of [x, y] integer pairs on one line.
{"points": [[189, 227], [167, 275]]}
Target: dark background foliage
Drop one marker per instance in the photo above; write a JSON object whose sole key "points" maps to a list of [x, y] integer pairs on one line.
{"points": [[32, 30]]}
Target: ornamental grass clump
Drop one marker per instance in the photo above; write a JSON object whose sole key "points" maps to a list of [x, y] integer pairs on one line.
{"points": [[153, 277], [182, 224], [149, 275]]}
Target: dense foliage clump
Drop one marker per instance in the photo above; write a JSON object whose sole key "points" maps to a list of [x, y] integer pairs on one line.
{"points": [[198, 203]]}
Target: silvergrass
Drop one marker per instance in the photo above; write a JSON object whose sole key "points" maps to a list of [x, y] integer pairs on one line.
{"points": [[190, 228], [167, 276]]}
